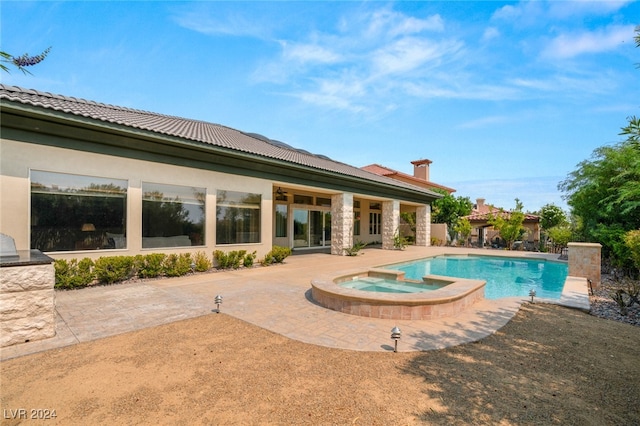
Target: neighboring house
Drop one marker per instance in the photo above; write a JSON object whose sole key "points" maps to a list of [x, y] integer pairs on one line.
{"points": [[483, 234], [420, 175], [80, 178], [420, 178]]}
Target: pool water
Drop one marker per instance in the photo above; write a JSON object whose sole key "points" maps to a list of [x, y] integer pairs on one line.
{"points": [[383, 285], [505, 277]]}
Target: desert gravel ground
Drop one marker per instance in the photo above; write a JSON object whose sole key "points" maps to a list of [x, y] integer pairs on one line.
{"points": [[549, 365]]}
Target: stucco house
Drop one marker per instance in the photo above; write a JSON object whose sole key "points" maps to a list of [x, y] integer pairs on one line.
{"points": [[483, 234], [419, 178], [80, 178]]}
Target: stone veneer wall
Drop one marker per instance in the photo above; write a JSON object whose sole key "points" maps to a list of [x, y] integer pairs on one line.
{"points": [[341, 223], [585, 261], [423, 226], [390, 222], [27, 303]]}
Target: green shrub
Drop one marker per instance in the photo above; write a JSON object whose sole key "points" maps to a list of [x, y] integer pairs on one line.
{"points": [[436, 241], [276, 255], [248, 260], [233, 259], [111, 269], [177, 265], [202, 262], [150, 265], [221, 259], [236, 258], [357, 246], [632, 241], [73, 274]]}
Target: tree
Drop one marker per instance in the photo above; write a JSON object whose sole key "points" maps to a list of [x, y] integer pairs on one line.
{"points": [[560, 235], [463, 228], [508, 224], [551, 215], [604, 193], [449, 209], [23, 61]]}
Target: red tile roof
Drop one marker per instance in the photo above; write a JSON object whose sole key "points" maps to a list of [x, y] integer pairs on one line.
{"points": [[484, 216], [385, 171]]}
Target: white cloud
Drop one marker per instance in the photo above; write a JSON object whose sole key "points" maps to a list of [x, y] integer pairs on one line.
{"points": [[584, 83], [523, 13], [387, 23], [571, 9], [308, 53], [490, 34], [410, 53], [342, 93], [455, 87], [603, 40], [531, 12], [361, 65], [231, 24]]}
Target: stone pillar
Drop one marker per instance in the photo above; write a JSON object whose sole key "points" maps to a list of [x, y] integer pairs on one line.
{"points": [[585, 262], [423, 226], [341, 223], [390, 222], [27, 299]]}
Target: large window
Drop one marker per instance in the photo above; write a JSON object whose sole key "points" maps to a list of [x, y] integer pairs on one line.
{"points": [[73, 212], [237, 217], [281, 220], [172, 216]]}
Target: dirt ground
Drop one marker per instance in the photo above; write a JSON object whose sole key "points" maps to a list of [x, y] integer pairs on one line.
{"points": [[549, 365]]}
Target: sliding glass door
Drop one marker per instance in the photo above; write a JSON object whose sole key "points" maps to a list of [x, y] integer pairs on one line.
{"points": [[311, 228]]}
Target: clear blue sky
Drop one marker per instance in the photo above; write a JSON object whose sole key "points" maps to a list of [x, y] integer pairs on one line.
{"points": [[505, 98]]}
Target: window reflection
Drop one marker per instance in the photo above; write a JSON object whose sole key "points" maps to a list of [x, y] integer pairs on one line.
{"points": [[237, 217], [172, 216], [73, 212]]}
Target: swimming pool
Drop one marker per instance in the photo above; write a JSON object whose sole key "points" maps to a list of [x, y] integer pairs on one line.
{"points": [[505, 276]]}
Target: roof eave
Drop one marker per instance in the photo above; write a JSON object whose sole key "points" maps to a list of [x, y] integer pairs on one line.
{"points": [[25, 117]]}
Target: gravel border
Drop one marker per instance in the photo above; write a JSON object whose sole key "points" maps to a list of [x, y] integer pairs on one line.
{"points": [[603, 306]]}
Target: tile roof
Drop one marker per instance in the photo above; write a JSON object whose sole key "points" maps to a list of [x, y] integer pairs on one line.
{"points": [[386, 171], [484, 216], [194, 130]]}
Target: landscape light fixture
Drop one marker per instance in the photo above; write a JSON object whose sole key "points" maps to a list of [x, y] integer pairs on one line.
{"points": [[218, 301], [532, 293], [395, 335]]}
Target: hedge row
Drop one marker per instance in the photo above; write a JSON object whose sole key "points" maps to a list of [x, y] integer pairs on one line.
{"points": [[108, 270]]}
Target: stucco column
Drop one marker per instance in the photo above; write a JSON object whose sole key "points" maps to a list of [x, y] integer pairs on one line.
{"points": [[390, 222], [341, 223], [423, 226]]}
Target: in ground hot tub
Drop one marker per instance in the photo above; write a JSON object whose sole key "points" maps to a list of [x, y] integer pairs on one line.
{"points": [[382, 293]]}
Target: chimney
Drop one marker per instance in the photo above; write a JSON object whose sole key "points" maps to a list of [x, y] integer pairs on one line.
{"points": [[421, 169], [480, 204]]}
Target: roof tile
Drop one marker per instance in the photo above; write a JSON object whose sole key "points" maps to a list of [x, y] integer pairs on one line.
{"points": [[195, 130]]}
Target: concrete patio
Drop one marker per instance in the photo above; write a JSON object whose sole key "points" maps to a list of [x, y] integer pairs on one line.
{"points": [[277, 298]]}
